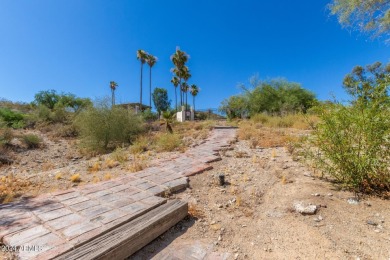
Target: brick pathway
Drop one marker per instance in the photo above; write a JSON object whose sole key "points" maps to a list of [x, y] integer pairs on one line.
{"points": [[54, 223]]}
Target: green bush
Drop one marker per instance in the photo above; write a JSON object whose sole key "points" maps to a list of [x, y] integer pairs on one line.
{"points": [[105, 128], [148, 115], [32, 141], [11, 118], [353, 141]]}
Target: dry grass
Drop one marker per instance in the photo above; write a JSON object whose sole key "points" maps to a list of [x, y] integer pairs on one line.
{"points": [[119, 155], [195, 211], [58, 176], [141, 144], [263, 136], [95, 179], [12, 187], [75, 178], [297, 121], [107, 177], [110, 163], [95, 167], [136, 166], [167, 142]]}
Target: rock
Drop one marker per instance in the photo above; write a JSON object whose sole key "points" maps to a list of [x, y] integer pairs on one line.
{"points": [[219, 238], [316, 194], [372, 223], [353, 201], [300, 207], [330, 194], [236, 256]]}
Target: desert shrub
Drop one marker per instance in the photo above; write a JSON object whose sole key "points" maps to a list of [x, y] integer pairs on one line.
{"points": [[103, 127], [167, 142], [354, 146], [32, 141], [140, 145], [65, 130], [353, 141], [6, 135], [148, 115], [11, 118], [119, 155]]}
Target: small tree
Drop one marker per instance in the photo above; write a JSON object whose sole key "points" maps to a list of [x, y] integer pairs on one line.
{"points": [[160, 100], [48, 98]]}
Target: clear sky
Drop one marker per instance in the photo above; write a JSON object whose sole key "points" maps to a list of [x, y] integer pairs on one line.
{"points": [[79, 46]]}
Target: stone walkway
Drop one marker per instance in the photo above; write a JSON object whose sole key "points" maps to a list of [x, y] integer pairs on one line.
{"points": [[51, 224]]}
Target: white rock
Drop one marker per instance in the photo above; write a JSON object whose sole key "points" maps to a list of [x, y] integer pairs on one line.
{"points": [[300, 207]]}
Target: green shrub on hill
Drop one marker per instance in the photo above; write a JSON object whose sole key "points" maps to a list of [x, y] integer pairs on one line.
{"points": [[103, 127], [11, 118]]}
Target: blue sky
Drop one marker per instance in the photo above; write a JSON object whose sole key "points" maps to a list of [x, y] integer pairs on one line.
{"points": [[79, 46]]}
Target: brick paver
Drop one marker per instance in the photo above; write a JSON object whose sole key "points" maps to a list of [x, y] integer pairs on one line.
{"points": [[51, 224]]}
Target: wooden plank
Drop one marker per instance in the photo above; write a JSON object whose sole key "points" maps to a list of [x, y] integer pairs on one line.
{"points": [[127, 239]]}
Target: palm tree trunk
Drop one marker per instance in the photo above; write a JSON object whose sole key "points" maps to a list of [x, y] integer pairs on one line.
{"points": [[181, 96], [186, 100], [140, 96], [112, 98], [193, 102], [176, 99], [150, 88]]}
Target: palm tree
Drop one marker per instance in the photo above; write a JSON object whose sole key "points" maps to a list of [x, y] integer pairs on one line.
{"points": [[175, 82], [113, 86], [151, 60], [141, 56], [185, 88], [179, 58], [194, 90]]}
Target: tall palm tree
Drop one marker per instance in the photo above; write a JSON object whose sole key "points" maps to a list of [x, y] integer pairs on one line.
{"points": [[141, 56], [194, 90], [179, 58], [175, 82], [113, 86], [151, 60]]}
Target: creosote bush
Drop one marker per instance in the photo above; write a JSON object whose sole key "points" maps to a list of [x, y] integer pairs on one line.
{"points": [[102, 127]]}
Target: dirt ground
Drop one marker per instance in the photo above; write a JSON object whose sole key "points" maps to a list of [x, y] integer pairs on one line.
{"points": [[253, 215]]}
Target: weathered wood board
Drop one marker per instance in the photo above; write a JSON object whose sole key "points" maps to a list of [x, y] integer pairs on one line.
{"points": [[127, 239]]}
